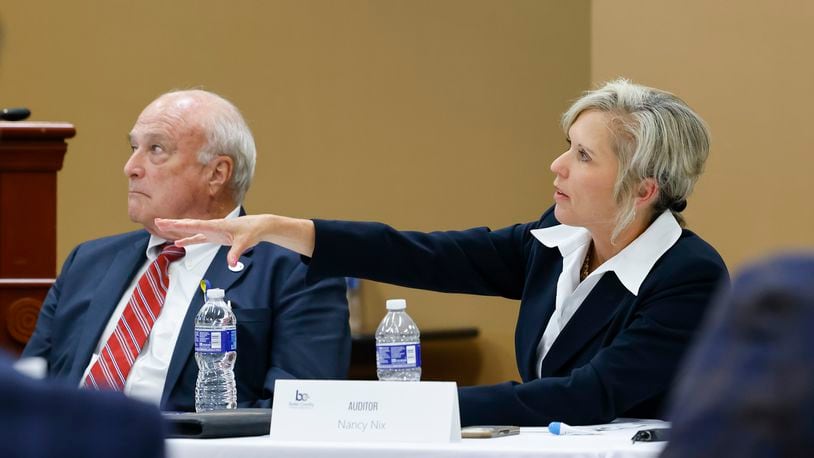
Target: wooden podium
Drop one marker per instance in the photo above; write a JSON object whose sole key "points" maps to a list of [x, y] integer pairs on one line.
{"points": [[31, 154]]}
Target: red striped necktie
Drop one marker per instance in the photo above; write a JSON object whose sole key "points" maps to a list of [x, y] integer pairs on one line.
{"points": [[111, 369]]}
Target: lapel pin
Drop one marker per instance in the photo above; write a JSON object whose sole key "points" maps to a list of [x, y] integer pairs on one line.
{"points": [[237, 267]]}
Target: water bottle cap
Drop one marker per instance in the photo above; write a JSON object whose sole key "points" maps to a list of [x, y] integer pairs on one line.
{"points": [[396, 304], [214, 293]]}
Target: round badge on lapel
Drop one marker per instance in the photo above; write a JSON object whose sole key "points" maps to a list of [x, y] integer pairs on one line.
{"points": [[237, 267]]}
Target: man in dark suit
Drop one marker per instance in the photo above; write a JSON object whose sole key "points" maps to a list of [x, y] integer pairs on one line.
{"points": [[192, 156], [746, 389]]}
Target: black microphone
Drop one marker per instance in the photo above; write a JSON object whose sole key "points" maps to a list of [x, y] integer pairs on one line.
{"points": [[14, 114]]}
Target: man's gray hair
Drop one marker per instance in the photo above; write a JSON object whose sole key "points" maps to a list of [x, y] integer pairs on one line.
{"points": [[227, 134], [657, 136]]}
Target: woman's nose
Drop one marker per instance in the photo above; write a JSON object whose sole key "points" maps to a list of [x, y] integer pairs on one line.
{"points": [[558, 165]]}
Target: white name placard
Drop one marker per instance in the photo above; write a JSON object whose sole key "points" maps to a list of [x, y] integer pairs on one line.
{"points": [[365, 411]]}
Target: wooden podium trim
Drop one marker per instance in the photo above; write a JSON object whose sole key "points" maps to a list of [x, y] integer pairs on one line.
{"points": [[8, 283], [33, 146], [26, 130]]}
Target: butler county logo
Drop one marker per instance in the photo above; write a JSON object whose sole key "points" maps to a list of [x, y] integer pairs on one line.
{"points": [[301, 401]]}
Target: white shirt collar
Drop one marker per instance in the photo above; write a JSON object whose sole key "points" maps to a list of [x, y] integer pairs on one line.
{"points": [[194, 253], [634, 262]]}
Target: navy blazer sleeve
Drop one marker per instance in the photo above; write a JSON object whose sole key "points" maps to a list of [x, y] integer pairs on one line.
{"points": [[475, 261], [40, 342]]}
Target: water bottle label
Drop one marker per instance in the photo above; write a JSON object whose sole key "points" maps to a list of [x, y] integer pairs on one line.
{"points": [[398, 356], [215, 341]]}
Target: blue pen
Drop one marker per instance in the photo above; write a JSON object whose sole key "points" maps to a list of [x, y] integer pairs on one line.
{"points": [[559, 428]]}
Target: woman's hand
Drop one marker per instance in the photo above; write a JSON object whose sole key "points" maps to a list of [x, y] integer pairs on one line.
{"points": [[242, 233]]}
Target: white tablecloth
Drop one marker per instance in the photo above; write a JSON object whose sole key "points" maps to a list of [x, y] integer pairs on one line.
{"points": [[531, 442]]}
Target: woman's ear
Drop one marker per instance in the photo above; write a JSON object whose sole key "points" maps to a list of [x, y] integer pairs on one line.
{"points": [[220, 174], [647, 194]]}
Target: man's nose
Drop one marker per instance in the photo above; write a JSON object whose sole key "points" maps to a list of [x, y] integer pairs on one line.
{"points": [[133, 168]]}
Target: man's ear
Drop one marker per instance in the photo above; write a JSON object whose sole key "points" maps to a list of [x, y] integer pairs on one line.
{"points": [[220, 174], [647, 194]]}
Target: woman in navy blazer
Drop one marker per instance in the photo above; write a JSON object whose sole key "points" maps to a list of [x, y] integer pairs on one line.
{"points": [[612, 289]]}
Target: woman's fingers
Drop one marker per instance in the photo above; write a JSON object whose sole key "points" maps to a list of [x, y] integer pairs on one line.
{"points": [[241, 233], [195, 231], [193, 240]]}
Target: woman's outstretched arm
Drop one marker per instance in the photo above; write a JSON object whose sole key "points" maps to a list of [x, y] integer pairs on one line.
{"points": [[243, 233]]}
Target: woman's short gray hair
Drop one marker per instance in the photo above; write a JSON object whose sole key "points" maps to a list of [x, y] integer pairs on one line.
{"points": [[656, 136]]}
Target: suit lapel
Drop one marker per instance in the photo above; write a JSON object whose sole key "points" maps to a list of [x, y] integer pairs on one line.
{"points": [[537, 310], [591, 317], [219, 276], [112, 286]]}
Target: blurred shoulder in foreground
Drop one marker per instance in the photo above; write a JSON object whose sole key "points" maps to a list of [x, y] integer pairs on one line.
{"points": [[746, 389], [45, 419]]}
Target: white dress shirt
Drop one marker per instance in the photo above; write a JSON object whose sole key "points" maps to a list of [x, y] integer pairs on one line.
{"points": [[631, 265], [149, 371]]}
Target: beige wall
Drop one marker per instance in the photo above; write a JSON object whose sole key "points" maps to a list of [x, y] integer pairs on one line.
{"points": [[747, 68], [425, 114]]}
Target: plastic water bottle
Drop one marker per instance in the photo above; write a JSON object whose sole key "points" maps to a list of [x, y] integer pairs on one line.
{"points": [[398, 346], [215, 352]]}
